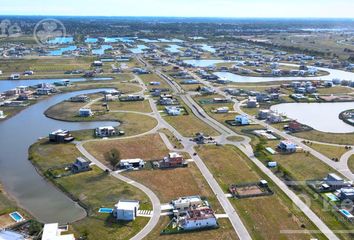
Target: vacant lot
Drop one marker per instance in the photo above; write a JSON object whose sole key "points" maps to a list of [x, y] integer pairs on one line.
{"points": [[149, 147], [94, 189], [138, 106], [272, 214], [174, 183], [147, 78], [225, 232], [351, 163], [328, 150], [189, 125]]}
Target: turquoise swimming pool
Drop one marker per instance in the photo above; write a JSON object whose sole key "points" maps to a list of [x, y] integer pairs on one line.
{"points": [[16, 216], [346, 213], [105, 210]]}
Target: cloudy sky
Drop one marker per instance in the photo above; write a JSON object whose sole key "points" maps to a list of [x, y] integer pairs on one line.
{"points": [[183, 8]]}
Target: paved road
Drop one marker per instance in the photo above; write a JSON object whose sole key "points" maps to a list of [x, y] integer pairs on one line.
{"points": [[156, 205]]}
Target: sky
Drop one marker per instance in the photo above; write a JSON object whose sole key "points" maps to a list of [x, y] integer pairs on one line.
{"points": [[183, 8]]}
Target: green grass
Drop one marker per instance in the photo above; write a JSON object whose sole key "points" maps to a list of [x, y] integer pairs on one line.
{"points": [[351, 163], [328, 150], [94, 189]]}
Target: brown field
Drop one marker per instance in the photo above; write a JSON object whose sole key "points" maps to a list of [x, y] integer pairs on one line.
{"points": [[149, 147], [139, 106], [249, 190]]}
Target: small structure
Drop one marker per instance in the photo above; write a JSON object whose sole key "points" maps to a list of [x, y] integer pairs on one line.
{"points": [[107, 131], [346, 193], [61, 136], [131, 98], [80, 98], [274, 117], [53, 232], [222, 110], [97, 64], [242, 120], [129, 164], [263, 114], [15, 76], [287, 147], [85, 112], [80, 165], [126, 210]]}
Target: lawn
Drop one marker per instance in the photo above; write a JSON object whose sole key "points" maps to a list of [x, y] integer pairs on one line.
{"points": [[94, 189], [148, 147], [328, 150], [138, 106], [225, 232], [189, 125], [174, 141], [272, 214], [6, 204], [147, 78], [168, 184]]}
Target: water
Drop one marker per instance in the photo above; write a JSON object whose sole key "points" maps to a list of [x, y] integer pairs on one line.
{"points": [[61, 40], [174, 48], [18, 175], [91, 40], [101, 51], [119, 39], [138, 49], [207, 48], [205, 62], [323, 117], [61, 51], [11, 84]]}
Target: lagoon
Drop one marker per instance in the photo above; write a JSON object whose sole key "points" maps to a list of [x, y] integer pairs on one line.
{"points": [[323, 117]]}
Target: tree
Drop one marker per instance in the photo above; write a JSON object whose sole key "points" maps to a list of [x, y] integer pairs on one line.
{"points": [[113, 157]]}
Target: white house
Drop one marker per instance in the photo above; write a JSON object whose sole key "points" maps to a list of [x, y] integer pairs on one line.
{"points": [[184, 203], [85, 112], [173, 111], [126, 210], [287, 146], [252, 102], [242, 120], [106, 131], [53, 232], [222, 110], [10, 235], [198, 218], [131, 163]]}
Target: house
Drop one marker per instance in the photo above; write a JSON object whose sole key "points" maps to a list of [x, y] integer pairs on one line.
{"points": [[80, 165], [44, 91], [52, 231], [131, 163], [287, 147], [206, 90], [263, 114], [190, 81], [85, 112], [28, 72], [198, 218], [80, 98], [173, 110], [131, 98], [335, 181], [60, 136], [275, 118], [155, 83], [15, 76], [110, 97], [294, 126], [2, 115], [242, 120], [126, 210], [107, 131], [346, 193], [140, 71], [97, 64], [220, 100], [252, 102], [172, 160], [184, 203], [222, 110]]}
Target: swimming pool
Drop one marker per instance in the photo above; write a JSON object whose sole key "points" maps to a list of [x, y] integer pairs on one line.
{"points": [[105, 210], [346, 213], [16, 216]]}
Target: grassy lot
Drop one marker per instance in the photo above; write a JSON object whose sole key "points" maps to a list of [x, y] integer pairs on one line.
{"points": [[167, 187], [7, 205], [94, 189], [189, 125], [328, 150], [272, 214], [148, 147], [45, 65], [147, 78], [335, 90], [174, 141], [235, 139], [351, 163], [138, 106], [224, 232]]}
